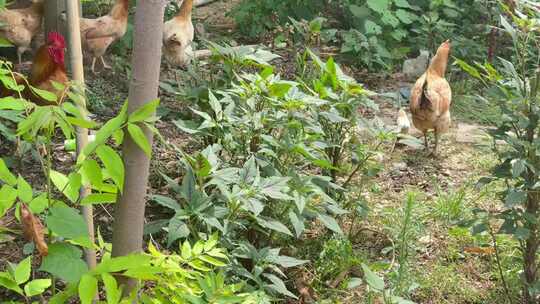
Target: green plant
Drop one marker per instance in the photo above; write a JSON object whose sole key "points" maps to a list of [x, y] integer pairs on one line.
{"points": [[515, 86], [256, 17], [337, 256]]}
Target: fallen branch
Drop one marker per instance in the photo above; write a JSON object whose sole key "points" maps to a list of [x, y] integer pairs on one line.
{"points": [[203, 54], [203, 2]]}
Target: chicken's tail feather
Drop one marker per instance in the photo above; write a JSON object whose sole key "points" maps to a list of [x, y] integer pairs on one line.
{"points": [[425, 103]]}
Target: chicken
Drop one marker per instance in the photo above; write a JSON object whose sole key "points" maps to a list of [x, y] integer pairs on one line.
{"points": [[431, 97], [403, 123], [178, 35], [19, 26], [98, 34], [47, 67]]}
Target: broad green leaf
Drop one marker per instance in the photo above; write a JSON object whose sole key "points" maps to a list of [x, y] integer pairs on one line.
{"points": [[39, 203], [380, 6], [145, 112], [274, 225], [21, 273], [298, 224], [8, 282], [177, 230], [354, 282], [166, 202], [185, 250], [91, 173], [67, 222], [24, 190], [514, 198], [64, 261], [402, 3], [114, 294], [88, 288], [8, 196], [330, 223], [138, 136], [372, 279], [113, 164], [122, 263], [99, 198], [36, 287], [405, 16], [12, 103], [69, 186], [372, 28], [212, 261], [278, 285], [5, 174], [287, 261]]}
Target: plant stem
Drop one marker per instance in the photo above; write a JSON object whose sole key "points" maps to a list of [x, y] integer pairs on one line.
{"points": [[499, 266]]}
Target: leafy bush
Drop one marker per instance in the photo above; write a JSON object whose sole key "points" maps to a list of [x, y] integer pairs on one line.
{"points": [[515, 87], [275, 153]]}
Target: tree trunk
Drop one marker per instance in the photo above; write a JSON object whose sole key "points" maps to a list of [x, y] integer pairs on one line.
{"points": [[77, 71], [129, 213]]}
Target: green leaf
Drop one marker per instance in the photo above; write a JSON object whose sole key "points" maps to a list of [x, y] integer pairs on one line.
{"points": [[185, 250], [36, 287], [8, 196], [177, 229], [7, 281], [405, 16], [88, 288], [380, 6], [64, 261], [21, 273], [68, 185], [287, 261], [274, 225], [12, 103], [24, 190], [122, 263], [278, 285], [140, 139], [39, 204], [114, 294], [297, 223], [330, 223], [99, 198], [402, 3], [372, 279], [5, 174], [166, 202], [67, 222], [113, 164], [518, 167], [91, 173], [212, 261], [372, 28], [514, 198], [144, 112]]}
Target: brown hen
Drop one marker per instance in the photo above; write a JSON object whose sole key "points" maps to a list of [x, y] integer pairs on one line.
{"points": [[431, 97]]}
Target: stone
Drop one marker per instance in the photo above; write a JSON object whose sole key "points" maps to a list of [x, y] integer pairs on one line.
{"points": [[415, 67]]}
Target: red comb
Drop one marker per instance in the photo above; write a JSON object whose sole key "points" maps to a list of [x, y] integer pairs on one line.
{"points": [[56, 37]]}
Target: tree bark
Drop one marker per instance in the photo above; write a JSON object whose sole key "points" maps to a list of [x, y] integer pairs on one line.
{"points": [[129, 213], [77, 71]]}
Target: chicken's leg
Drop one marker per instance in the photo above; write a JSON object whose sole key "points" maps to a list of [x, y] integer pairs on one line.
{"points": [[426, 144], [436, 142], [105, 65], [93, 65]]}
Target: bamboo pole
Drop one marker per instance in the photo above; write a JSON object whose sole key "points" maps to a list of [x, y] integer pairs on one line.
{"points": [[77, 70]]}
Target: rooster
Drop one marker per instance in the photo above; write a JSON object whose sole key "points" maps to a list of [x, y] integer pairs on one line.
{"points": [[98, 34], [178, 35], [19, 26], [431, 97], [48, 70]]}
